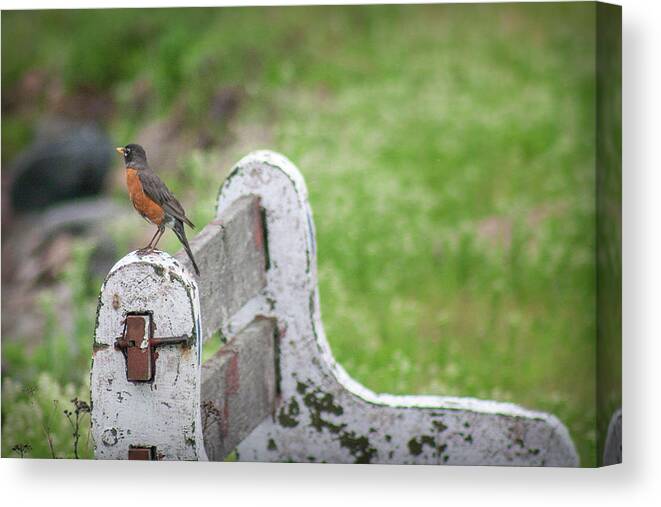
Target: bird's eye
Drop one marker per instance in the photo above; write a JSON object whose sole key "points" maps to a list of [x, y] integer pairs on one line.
{"points": [[127, 151]]}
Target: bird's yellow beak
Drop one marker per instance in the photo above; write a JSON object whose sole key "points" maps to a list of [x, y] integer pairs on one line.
{"points": [[120, 150]]}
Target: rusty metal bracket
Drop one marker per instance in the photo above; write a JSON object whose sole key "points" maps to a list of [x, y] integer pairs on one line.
{"points": [[139, 346], [142, 453]]}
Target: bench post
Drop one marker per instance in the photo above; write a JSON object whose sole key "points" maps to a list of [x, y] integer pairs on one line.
{"points": [[145, 394]]}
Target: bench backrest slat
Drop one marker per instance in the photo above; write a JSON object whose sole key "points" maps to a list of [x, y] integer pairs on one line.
{"points": [[231, 255], [238, 388]]}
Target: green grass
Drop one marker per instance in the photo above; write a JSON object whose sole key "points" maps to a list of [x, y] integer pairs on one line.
{"points": [[40, 382], [418, 130]]}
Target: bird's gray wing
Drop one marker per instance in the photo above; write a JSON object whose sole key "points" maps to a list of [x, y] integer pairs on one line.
{"points": [[158, 192]]}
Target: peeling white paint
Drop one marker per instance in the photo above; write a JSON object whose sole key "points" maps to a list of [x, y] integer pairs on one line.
{"points": [[326, 416], [164, 413]]}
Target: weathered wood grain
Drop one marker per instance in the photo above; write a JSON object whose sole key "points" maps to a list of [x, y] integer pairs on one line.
{"points": [[232, 259], [238, 388]]}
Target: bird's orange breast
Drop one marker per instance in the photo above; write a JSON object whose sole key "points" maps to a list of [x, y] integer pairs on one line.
{"points": [[149, 209]]}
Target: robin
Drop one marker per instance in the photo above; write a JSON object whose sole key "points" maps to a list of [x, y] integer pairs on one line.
{"points": [[153, 200]]}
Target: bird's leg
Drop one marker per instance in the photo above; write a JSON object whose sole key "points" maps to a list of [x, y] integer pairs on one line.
{"points": [[161, 229], [149, 245], [151, 241]]}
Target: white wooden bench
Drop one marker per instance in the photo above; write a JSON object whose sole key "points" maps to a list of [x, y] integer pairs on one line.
{"points": [[273, 392]]}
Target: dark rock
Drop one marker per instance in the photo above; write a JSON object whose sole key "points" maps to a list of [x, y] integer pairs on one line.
{"points": [[66, 161]]}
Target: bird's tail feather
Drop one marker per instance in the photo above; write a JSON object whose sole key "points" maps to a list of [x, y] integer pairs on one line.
{"points": [[181, 234]]}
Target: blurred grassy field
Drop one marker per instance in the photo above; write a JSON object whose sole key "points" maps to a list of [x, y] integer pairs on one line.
{"points": [[449, 155]]}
